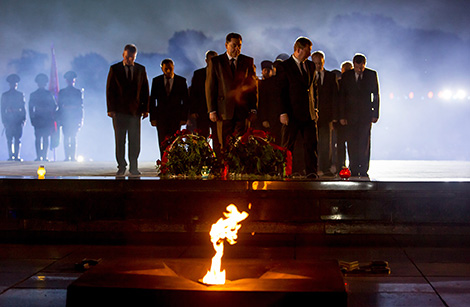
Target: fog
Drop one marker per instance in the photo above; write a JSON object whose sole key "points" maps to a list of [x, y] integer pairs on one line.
{"points": [[409, 51]]}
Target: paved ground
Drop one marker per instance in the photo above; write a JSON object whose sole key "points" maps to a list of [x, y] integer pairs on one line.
{"points": [[424, 271], [379, 170]]}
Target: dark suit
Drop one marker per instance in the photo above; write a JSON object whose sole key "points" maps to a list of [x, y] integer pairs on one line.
{"points": [[128, 99], [269, 107], [168, 110], [198, 105], [297, 93], [232, 96], [327, 112], [340, 132], [359, 104]]}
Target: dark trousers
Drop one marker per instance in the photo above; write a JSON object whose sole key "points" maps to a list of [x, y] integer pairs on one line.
{"points": [[204, 126], [42, 142], [227, 128], [325, 148], [127, 125], [308, 131], [359, 147], [70, 141], [339, 154], [13, 134], [166, 128]]}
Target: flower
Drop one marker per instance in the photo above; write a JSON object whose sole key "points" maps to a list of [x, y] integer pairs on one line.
{"points": [[255, 153], [186, 153]]}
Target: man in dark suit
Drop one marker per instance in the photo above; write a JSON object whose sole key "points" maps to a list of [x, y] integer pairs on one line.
{"points": [[268, 102], [327, 112], [231, 90], [198, 105], [168, 102], [359, 108], [298, 103], [127, 94], [340, 130]]}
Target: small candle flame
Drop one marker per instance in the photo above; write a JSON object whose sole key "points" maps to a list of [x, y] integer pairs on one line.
{"points": [[41, 172]]}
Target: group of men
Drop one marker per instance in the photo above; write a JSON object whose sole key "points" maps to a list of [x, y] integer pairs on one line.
{"points": [[225, 97], [47, 115]]}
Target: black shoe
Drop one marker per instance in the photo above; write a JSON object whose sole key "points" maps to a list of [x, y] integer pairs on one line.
{"points": [[312, 176], [121, 172], [328, 174], [135, 172]]}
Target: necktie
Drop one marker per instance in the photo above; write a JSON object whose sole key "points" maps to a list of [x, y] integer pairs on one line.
{"points": [[359, 78], [167, 87], [129, 72], [304, 72], [232, 66]]}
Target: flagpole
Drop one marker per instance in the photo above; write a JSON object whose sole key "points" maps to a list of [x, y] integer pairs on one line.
{"points": [[54, 88]]}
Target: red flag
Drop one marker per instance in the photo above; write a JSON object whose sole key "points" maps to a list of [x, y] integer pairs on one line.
{"points": [[54, 79]]}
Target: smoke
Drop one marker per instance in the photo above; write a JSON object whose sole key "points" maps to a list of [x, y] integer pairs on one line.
{"points": [[91, 37]]}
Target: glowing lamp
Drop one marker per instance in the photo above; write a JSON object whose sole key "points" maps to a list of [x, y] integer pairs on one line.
{"points": [[205, 171], [41, 172], [345, 173]]}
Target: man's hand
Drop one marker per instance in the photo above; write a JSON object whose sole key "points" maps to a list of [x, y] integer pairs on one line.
{"points": [[284, 118], [213, 116], [111, 114], [374, 119], [145, 114], [153, 123], [183, 122], [252, 116], [266, 124], [343, 122]]}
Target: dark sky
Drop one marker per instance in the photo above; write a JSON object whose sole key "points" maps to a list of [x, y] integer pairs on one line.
{"points": [[414, 45], [78, 27]]}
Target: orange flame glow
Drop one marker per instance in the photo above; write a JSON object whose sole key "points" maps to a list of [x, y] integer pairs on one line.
{"points": [[225, 228]]}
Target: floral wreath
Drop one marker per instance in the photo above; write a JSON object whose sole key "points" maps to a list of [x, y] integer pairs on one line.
{"points": [[186, 154], [253, 153], [256, 153]]}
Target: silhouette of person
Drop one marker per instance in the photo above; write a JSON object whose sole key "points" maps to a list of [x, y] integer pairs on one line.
{"points": [[127, 97], [70, 114], [359, 108], [13, 117], [168, 102], [298, 103], [340, 130], [198, 106], [327, 112], [231, 90], [269, 106], [42, 111]]}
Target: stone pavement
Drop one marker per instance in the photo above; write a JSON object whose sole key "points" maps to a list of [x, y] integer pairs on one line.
{"points": [[425, 270], [380, 170]]}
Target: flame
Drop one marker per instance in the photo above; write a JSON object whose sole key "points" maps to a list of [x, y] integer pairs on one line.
{"points": [[225, 228]]}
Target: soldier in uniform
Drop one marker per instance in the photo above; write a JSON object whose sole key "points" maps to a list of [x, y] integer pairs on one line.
{"points": [[42, 109], [70, 114], [13, 117]]}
